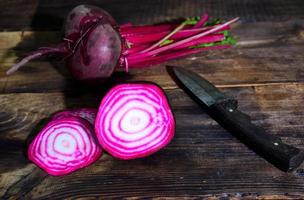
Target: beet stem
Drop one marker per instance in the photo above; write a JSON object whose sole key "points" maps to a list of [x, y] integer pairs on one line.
{"points": [[201, 22], [181, 42], [126, 64], [193, 37], [181, 26], [182, 34], [181, 53], [36, 54]]}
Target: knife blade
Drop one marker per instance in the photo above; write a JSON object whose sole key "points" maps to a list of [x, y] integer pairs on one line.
{"points": [[224, 110]]}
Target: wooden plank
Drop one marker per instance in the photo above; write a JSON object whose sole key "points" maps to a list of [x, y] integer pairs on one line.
{"points": [[257, 57], [203, 160], [27, 40], [239, 66], [246, 33], [264, 72], [48, 14]]}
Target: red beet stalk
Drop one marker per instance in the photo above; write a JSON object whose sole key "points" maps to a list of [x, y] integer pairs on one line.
{"points": [[169, 56]]}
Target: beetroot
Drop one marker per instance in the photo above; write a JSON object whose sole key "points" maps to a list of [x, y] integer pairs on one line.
{"points": [[99, 44], [134, 121], [84, 16], [88, 114], [91, 46], [94, 45], [65, 145]]}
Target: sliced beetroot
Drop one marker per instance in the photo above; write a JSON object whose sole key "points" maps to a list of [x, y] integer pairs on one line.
{"points": [[88, 114], [64, 146], [134, 121]]}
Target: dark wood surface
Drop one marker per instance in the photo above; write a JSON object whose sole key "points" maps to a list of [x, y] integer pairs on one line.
{"points": [[264, 72], [49, 14]]}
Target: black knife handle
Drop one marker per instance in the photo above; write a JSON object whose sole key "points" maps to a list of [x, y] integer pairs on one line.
{"points": [[284, 156]]}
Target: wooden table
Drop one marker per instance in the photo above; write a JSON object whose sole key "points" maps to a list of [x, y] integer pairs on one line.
{"points": [[265, 72]]}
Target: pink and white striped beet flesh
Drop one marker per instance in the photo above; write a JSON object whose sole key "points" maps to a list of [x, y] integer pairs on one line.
{"points": [[65, 145], [134, 120], [88, 114]]}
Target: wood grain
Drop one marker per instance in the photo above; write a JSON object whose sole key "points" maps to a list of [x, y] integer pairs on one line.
{"points": [[49, 14], [258, 55], [262, 65], [246, 33], [202, 159], [264, 72]]}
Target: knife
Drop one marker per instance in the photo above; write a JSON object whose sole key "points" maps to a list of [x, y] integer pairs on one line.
{"points": [[223, 109]]}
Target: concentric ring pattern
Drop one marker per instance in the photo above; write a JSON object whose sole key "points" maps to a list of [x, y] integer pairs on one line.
{"points": [[134, 120], [64, 146]]}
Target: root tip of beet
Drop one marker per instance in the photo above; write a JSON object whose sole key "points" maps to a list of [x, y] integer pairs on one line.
{"points": [[10, 71]]}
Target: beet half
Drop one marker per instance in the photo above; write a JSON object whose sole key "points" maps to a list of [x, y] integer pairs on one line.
{"points": [[134, 121], [64, 146]]}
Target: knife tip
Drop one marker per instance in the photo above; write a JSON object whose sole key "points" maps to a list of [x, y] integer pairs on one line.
{"points": [[171, 69], [174, 72], [174, 69]]}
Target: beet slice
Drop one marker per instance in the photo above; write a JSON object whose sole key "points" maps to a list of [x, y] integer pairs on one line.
{"points": [[64, 146], [134, 121]]}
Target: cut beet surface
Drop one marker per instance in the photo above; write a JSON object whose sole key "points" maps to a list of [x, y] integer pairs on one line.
{"points": [[134, 121], [64, 146]]}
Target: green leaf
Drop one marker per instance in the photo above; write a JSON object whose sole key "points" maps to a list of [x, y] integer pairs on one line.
{"points": [[214, 22], [203, 45], [166, 42], [229, 40], [226, 33], [191, 20]]}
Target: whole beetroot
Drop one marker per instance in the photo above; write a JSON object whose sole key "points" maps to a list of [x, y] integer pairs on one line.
{"points": [[91, 45], [94, 45]]}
